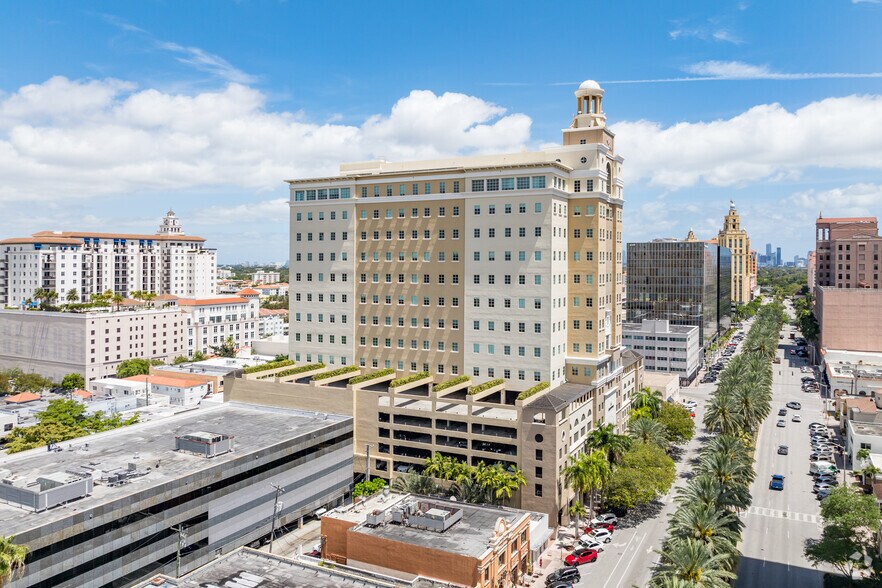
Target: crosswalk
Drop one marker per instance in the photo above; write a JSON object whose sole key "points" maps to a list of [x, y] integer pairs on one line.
{"points": [[784, 514]]}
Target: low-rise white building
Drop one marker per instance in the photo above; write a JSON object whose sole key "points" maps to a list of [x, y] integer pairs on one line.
{"points": [[151, 389], [863, 428], [8, 421], [665, 347], [853, 373], [265, 277], [211, 320], [272, 322], [272, 290]]}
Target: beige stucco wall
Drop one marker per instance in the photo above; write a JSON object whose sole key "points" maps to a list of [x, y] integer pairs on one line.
{"points": [[850, 319]]}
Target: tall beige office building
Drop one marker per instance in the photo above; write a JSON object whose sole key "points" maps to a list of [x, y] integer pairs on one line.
{"points": [[737, 240], [497, 267]]}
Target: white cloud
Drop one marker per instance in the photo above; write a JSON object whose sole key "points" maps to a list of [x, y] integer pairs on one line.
{"points": [[78, 138], [766, 142], [728, 69], [706, 33], [207, 62], [714, 71], [861, 199]]}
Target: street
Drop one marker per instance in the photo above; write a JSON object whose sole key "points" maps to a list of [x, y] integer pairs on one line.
{"points": [[778, 523]]}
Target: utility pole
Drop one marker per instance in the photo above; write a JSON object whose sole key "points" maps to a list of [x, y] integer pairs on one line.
{"points": [[182, 542], [279, 490], [367, 468]]}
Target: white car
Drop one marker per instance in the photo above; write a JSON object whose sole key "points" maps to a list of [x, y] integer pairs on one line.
{"points": [[601, 535], [797, 418], [819, 487], [607, 518], [589, 542]]}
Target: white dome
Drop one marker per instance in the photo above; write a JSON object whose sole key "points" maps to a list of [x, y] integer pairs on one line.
{"points": [[589, 85]]}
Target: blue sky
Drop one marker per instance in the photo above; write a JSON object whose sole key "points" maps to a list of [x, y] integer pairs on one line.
{"points": [[111, 112]]}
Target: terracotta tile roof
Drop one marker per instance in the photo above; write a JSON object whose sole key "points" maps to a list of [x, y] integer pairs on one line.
{"points": [[47, 240], [84, 234], [248, 292], [273, 312], [166, 297], [22, 398], [84, 394], [211, 301], [166, 381]]}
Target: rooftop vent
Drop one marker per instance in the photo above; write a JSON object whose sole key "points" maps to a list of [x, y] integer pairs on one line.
{"points": [[426, 515], [204, 443], [47, 491]]}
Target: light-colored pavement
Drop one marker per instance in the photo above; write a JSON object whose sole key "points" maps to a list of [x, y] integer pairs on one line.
{"points": [[778, 523]]}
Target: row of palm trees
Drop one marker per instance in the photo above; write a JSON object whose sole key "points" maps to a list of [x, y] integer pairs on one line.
{"points": [[701, 548], [477, 484]]}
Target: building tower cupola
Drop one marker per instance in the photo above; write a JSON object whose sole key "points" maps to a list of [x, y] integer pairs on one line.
{"points": [[589, 106], [171, 225]]}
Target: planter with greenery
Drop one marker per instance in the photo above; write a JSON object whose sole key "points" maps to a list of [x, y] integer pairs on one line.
{"points": [[372, 378], [533, 390], [301, 371], [324, 378], [486, 388], [457, 383], [265, 370], [408, 382]]}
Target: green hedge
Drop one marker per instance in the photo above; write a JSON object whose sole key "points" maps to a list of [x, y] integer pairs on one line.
{"points": [[366, 377], [343, 370], [408, 379], [485, 386], [449, 383], [267, 366], [300, 369], [533, 390]]}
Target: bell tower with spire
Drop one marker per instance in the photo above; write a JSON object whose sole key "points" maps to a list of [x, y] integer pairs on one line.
{"points": [[171, 225]]}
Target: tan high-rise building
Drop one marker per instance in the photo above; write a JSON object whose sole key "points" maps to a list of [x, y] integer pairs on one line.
{"points": [[737, 240], [497, 267]]}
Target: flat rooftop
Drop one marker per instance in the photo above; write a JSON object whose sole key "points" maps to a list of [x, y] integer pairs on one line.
{"points": [[257, 569], [469, 536], [147, 445]]}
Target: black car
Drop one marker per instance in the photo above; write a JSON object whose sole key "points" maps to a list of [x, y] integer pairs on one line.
{"points": [[783, 450], [562, 584], [565, 575], [782, 412]]}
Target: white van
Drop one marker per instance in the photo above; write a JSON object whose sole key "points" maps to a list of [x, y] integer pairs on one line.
{"points": [[818, 467]]}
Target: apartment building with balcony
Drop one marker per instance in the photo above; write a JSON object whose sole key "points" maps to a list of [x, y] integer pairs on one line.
{"points": [[88, 262], [213, 319]]}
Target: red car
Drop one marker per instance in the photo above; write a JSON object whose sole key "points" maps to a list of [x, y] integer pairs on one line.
{"points": [[606, 526], [581, 556]]}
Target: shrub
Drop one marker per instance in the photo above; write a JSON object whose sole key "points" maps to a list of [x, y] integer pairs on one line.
{"points": [[343, 370], [408, 379], [267, 366], [533, 390], [368, 488], [300, 369], [366, 377], [450, 383], [485, 386]]}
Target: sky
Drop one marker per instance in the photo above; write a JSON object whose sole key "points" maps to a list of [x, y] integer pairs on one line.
{"points": [[113, 112]]}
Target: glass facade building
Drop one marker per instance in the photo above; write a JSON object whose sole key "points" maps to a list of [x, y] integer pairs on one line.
{"points": [[684, 282]]}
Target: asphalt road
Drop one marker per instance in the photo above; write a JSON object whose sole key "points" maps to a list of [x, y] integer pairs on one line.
{"points": [[778, 523]]}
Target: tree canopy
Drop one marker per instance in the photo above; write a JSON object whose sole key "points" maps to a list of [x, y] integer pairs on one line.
{"points": [[135, 367], [63, 420], [73, 381], [678, 424], [644, 473]]}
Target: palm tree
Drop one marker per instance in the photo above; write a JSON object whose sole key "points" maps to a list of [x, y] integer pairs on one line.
{"points": [[718, 529], [722, 415], [648, 431], [12, 559], [508, 483], [605, 439], [437, 466], [586, 475], [577, 511], [73, 295], [414, 483], [469, 490], [118, 300], [870, 472], [693, 561], [863, 454], [649, 398], [752, 405], [148, 297], [727, 469]]}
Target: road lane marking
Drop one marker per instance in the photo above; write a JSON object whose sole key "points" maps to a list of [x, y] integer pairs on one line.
{"points": [[612, 573], [636, 552], [780, 514]]}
